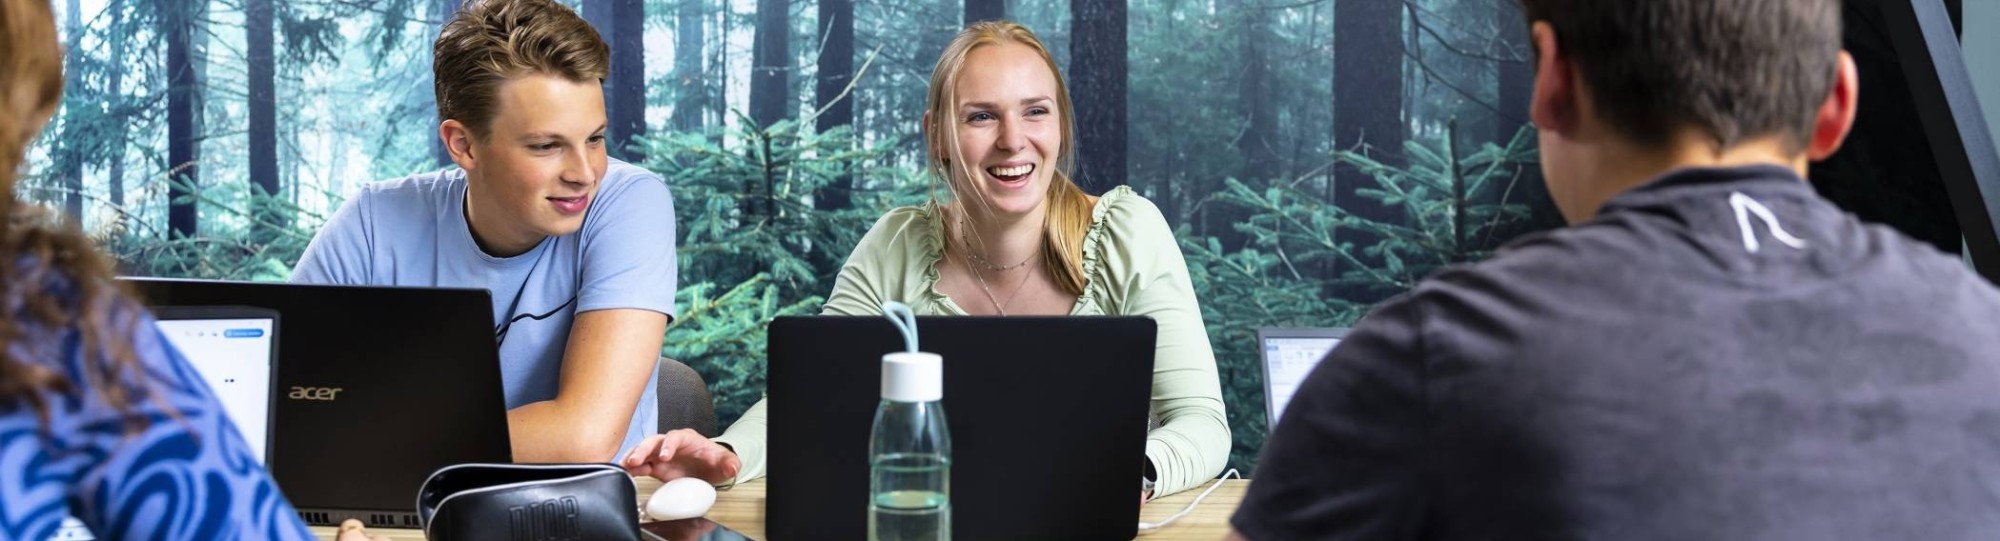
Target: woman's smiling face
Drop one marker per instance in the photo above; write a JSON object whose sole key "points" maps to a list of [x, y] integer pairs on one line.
{"points": [[1008, 127]]}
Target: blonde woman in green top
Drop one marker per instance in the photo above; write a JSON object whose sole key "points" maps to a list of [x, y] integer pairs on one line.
{"points": [[1018, 237]]}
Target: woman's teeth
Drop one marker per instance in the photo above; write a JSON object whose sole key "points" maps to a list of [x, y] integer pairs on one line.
{"points": [[1007, 172]]}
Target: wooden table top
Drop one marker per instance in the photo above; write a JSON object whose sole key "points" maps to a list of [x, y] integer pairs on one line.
{"points": [[742, 509]]}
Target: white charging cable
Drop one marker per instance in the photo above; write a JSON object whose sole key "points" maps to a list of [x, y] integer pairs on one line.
{"points": [[1150, 526]]}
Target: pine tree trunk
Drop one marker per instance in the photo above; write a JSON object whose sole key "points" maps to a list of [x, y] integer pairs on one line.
{"points": [[770, 94], [263, 149], [770, 97], [1368, 107], [1163, 193], [1516, 70], [599, 14], [628, 77], [183, 111], [621, 24], [935, 30], [1098, 70], [716, 92], [1368, 91], [984, 10], [68, 156], [115, 92], [689, 88], [291, 162], [836, 70], [1258, 92], [1170, 162]]}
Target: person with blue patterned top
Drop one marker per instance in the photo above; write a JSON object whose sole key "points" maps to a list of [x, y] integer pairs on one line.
{"points": [[100, 418]]}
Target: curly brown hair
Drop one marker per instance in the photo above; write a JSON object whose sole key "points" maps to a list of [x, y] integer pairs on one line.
{"points": [[52, 280]]}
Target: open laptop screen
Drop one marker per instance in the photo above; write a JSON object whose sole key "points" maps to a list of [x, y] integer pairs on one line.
{"points": [[233, 353], [1289, 355]]}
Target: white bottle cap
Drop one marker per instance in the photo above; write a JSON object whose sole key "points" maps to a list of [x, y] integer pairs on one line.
{"points": [[912, 377]]}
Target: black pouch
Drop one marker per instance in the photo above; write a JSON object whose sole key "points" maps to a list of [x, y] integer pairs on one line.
{"points": [[529, 501]]}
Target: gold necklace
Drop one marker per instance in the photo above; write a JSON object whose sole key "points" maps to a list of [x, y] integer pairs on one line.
{"points": [[974, 257], [997, 305]]}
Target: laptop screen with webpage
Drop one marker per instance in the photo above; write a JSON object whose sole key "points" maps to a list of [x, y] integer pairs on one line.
{"points": [[1289, 355], [234, 356], [234, 349]]}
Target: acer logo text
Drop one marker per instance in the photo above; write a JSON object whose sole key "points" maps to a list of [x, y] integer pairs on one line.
{"points": [[314, 393]]}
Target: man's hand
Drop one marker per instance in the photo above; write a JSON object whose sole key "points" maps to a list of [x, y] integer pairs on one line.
{"points": [[682, 453]]}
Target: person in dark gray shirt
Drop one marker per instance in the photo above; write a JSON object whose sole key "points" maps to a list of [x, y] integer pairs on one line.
{"points": [[1710, 351]]}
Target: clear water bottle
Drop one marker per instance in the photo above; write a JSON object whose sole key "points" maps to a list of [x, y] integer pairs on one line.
{"points": [[909, 488]]}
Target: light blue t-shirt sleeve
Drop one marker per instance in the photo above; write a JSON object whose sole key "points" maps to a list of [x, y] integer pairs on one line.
{"points": [[341, 252], [628, 250]]}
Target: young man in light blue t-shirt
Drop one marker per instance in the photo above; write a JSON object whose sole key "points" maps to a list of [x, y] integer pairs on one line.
{"points": [[577, 249]]}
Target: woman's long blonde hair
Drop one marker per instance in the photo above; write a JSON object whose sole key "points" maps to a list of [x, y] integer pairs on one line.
{"points": [[52, 280], [1068, 207]]}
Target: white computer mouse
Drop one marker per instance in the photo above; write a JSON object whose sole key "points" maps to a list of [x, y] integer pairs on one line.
{"points": [[686, 497]]}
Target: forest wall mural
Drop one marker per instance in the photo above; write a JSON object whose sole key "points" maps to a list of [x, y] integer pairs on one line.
{"points": [[1314, 156]]}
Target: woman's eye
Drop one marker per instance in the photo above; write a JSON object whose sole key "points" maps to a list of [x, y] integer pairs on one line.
{"points": [[597, 139], [979, 117], [1038, 111]]}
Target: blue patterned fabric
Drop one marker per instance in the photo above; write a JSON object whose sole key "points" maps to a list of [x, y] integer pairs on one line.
{"points": [[184, 473]]}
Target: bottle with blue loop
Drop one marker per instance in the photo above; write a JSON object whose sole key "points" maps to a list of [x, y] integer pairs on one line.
{"points": [[909, 488]]}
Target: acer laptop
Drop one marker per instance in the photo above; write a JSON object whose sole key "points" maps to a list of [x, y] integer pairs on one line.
{"points": [[1290, 355], [377, 387], [1080, 384]]}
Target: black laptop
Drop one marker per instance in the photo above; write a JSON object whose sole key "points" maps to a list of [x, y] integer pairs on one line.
{"points": [[377, 388], [1047, 417]]}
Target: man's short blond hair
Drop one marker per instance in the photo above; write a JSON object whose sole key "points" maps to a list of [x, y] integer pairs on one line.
{"points": [[490, 42]]}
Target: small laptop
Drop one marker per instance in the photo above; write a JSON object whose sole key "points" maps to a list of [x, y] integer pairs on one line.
{"points": [[377, 388], [1289, 355], [235, 348], [1047, 417]]}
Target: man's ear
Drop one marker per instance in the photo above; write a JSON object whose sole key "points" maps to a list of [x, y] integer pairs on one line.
{"points": [[1836, 113], [458, 142], [1554, 103]]}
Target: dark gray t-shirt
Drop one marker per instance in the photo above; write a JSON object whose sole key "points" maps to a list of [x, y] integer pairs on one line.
{"points": [[1720, 354]]}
